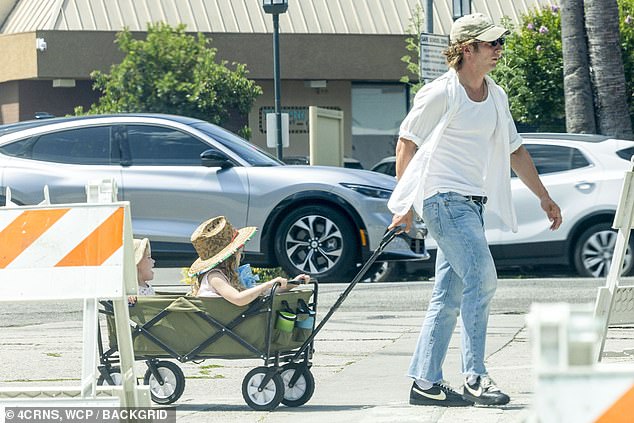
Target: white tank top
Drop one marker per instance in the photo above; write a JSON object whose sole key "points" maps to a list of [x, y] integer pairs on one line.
{"points": [[462, 156], [206, 290]]}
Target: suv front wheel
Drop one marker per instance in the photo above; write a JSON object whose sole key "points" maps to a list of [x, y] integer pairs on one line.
{"points": [[319, 241], [594, 251]]}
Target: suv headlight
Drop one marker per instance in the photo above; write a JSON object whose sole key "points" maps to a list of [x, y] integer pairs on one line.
{"points": [[369, 191]]}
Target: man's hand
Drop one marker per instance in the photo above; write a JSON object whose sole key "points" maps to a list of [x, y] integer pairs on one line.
{"points": [[552, 211], [398, 220], [523, 165]]}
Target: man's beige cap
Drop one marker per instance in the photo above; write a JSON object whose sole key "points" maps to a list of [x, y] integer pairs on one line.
{"points": [[476, 26]]}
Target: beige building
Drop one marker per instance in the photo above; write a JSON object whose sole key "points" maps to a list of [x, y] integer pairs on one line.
{"points": [[341, 54]]}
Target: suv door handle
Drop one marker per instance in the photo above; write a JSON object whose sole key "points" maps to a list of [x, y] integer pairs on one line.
{"points": [[585, 186]]}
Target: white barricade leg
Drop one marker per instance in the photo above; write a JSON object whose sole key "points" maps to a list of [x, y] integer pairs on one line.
{"points": [[133, 395], [89, 353]]}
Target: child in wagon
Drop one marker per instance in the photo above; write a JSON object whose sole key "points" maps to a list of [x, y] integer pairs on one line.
{"points": [[144, 265], [219, 247]]}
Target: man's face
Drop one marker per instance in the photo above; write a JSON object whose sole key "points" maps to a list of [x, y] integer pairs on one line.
{"points": [[487, 54]]}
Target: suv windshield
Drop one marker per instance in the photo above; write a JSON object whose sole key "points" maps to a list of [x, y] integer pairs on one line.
{"points": [[247, 151]]}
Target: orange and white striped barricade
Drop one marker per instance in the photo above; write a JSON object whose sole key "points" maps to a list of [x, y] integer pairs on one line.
{"points": [[615, 303], [70, 252]]}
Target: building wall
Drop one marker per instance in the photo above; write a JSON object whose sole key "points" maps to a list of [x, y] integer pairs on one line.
{"points": [[41, 96], [9, 102], [18, 58], [296, 97], [75, 54]]}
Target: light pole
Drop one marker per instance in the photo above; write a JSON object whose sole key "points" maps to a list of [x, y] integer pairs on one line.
{"points": [[461, 8], [430, 16], [275, 7]]}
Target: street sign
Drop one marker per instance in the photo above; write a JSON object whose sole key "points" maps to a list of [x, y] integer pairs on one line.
{"points": [[271, 130], [432, 61]]}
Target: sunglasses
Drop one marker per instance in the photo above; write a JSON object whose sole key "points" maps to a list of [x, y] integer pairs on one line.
{"points": [[500, 41]]}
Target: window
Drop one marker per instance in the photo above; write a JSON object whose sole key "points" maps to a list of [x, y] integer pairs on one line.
{"points": [[626, 153], [388, 168], [243, 148], [160, 146], [377, 112], [85, 146], [555, 158]]}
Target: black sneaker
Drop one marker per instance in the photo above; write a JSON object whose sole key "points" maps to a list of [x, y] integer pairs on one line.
{"points": [[484, 392], [439, 394]]}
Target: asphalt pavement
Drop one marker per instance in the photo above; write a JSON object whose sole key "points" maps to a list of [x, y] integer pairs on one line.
{"points": [[359, 364]]}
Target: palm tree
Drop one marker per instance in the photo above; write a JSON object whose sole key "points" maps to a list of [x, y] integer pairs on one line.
{"points": [[577, 84], [602, 26]]}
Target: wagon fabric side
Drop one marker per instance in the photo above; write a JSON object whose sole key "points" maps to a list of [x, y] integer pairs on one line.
{"points": [[190, 328]]}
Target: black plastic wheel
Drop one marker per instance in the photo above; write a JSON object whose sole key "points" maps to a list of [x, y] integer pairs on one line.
{"points": [[302, 390], [319, 241], [594, 250], [266, 398], [115, 375], [173, 384]]}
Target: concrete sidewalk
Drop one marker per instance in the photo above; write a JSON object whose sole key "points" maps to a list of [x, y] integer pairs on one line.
{"points": [[359, 367]]}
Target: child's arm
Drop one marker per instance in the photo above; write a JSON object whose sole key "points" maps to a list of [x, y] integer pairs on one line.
{"points": [[240, 298]]}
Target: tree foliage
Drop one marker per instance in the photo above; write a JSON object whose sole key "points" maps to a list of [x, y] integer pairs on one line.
{"points": [[412, 44], [626, 26], [531, 70], [173, 72]]}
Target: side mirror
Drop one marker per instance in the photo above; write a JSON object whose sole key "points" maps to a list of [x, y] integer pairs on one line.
{"points": [[215, 158]]}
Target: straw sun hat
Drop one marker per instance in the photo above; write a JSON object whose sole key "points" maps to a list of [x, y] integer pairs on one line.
{"points": [[140, 247], [215, 240]]}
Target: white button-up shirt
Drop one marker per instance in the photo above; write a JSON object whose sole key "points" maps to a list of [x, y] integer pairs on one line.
{"points": [[434, 107]]}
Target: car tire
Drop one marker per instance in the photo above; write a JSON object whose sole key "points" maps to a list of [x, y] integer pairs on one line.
{"points": [[319, 241], [381, 271], [594, 249]]}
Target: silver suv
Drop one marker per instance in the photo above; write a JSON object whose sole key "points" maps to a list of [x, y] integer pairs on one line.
{"points": [[177, 171]]}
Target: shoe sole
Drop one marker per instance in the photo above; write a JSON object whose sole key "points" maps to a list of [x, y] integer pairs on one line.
{"points": [[432, 402], [480, 401]]}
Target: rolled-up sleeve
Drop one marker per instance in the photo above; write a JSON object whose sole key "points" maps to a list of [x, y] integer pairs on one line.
{"points": [[515, 139], [429, 106]]}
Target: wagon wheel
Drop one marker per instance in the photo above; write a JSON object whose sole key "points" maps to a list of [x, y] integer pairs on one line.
{"points": [[302, 390], [167, 384], [115, 375], [264, 398]]}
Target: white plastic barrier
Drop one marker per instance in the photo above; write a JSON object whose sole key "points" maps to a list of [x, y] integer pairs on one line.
{"points": [[615, 303], [570, 386], [70, 252]]}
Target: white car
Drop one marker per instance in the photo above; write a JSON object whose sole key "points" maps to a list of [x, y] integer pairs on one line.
{"points": [[583, 174]]}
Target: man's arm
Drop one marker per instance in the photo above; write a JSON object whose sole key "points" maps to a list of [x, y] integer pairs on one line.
{"points": [[405, 150], [523, 165]]}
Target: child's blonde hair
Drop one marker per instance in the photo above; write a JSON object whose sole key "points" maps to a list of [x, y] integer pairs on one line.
{"points": [[229, 268]]}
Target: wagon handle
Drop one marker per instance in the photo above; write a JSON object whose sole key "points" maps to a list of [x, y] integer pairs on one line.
{"points": [[387, 238]]}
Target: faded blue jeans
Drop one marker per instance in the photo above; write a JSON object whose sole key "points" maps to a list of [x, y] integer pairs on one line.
{"points": [[465, 283]]}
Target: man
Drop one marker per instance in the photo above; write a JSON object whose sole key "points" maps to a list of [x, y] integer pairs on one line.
{"points": [[455, 150]]}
